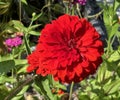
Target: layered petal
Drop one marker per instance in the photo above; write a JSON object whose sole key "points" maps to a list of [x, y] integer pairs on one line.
{"points": [[69, 48]]}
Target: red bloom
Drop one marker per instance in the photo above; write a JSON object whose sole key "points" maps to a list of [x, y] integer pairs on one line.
{"points": [[69, 48]]}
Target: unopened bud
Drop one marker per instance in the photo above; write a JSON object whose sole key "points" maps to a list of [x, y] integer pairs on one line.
{"points": [[33, 14]]}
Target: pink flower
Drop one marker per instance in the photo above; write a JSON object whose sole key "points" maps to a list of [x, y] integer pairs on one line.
{"points": [[82, 2], [13, 42]]}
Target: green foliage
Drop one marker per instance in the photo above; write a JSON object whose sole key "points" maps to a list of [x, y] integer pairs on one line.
{"points": [[3, 92], [105, 84], [44, 86], [4, 79], [7, 65], [21, 93], [4, 6]]}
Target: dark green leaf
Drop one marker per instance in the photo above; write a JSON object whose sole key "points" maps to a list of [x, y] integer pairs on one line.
{"points": [[84, 97], [6, 66], [3, 92]]}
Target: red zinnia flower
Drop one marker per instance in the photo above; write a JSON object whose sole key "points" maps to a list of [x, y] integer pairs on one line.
{"points": [[69, 48]]}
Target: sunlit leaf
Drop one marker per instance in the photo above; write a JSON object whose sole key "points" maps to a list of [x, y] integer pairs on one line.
{"points": [[33, 27], [20, 61], [22, 69], [101, 72], [34, 33], [112, 87], [6, 57], [4, 79], [115, 56]]}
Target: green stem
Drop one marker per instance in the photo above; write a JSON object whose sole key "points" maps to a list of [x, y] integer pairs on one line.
{"points": [[78, 11], [71, 90], [49, 9], [66, 7], [27, 45], [96, 15], [73, 9], [30, 24]]}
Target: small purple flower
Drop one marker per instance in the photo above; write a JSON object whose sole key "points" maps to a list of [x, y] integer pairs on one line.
{"points": [[13, 42], [82, 2]]}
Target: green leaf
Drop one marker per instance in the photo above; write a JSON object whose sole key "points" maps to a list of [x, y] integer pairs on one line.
{"points": [[20, 94], [114, 29], [33, 27], [24, 1], [101, 72], [37, 16], [3, 92], [4, 7], [20, 62], [6, 66], [112, 66], [44, 87], [56, 84], [104, 75], [38, 89], [58, 9], [6, 57], [17, 25], [34, 33], [115, 56], [59, 85], [27, 45], [118, 1], [118, 70], [112, 87], [4, 79], [22, 69], [84, 97], [116, 5]]}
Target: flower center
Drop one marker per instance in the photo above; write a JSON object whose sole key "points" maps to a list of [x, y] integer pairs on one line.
{"points": [[71, 43]]}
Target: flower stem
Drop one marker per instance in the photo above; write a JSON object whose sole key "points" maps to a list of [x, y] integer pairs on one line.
{"points": [[71, 90]]}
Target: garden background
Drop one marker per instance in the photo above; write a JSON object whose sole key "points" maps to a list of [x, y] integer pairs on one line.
{"points": [[23, 20]]}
